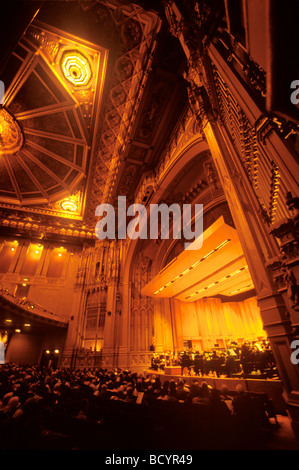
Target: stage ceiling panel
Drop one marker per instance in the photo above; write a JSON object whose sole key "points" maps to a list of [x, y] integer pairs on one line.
{"points": [[217, 268]]}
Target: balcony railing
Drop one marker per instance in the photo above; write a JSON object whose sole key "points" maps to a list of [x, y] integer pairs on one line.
{"points": [[28, 306]]}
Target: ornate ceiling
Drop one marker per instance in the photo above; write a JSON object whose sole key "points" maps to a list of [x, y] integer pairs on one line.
{"points": [[93, 94], [51, 106]]}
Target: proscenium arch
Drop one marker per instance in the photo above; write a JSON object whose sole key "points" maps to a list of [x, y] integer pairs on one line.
{"points": [[197, 151], [194, 149]]}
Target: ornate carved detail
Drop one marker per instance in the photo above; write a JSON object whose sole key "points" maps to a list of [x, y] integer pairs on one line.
{"points": [[131, 33], [288, 239], [263, 175], [239, 60], [128, 178], [152, 113], [266, 124], [264, 214], [196, 20], [52, 47], [274, 190], [256, 75], [143, 263], [149, 184], [44, 226], [292, 288], [124, 68], [200, 104], [286, 271], [193, 193], [118, 95], [136, 46], [184, 134], [212, 175]]}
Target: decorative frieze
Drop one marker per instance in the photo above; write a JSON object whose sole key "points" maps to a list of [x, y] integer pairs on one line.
{"points": [[263, 172], [286, 269]]}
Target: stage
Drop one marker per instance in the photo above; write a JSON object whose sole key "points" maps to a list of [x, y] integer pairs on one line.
{"points": [[272, 387]]}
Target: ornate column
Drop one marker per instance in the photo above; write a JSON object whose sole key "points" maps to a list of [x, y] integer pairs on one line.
{"points": [[19, 258], [111, 331], [285, 267], [46, 260], [258, 245], [41, 262]]}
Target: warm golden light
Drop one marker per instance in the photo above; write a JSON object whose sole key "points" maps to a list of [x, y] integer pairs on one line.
{"points": [[18, 331], [69, 205], [47, 352], [217, 282], [27, 324], [194, 265], [250, 286], [76, 68], [56, 351], [8, 320]]}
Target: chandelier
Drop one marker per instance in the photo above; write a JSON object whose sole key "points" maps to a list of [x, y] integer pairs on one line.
{"points": [[69, 205], [76, 68]]}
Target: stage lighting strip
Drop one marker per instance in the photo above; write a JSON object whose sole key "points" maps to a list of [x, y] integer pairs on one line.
{"points": [[217, 282], [194, 265], [242, 289]]}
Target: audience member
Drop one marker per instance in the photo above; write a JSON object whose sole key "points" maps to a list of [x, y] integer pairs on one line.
{"points": [[38, 404]]}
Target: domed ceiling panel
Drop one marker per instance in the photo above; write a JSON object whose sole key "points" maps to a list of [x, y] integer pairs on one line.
{"points": [[54, 83], [75, 143]]}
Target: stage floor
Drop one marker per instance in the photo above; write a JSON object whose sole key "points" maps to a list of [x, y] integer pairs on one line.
{"points": [[272, 387]]}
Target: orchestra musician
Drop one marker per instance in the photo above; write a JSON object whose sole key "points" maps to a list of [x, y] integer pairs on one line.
{"points": [[185, 362], [251, 357]]}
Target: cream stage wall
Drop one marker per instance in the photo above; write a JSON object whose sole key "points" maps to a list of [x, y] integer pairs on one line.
{"points": [[209, 321]]}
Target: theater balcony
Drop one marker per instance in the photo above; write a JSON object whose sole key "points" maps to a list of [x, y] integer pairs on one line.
{"points": [[31, 333]]}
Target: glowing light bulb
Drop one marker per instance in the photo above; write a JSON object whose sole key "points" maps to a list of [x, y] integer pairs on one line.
{"points": [[76, 68], [69, 205]]}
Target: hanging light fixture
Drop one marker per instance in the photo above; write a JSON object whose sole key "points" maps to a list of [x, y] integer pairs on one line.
{"points": [[69, 205], [76, 68]]}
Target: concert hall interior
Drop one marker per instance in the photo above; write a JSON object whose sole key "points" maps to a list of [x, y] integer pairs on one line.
{"points": [[187, 342]]}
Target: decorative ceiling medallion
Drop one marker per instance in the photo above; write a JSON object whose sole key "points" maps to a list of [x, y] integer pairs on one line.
{"points": [[76, 67], [11, 136], [49, 130], [69, 205]]}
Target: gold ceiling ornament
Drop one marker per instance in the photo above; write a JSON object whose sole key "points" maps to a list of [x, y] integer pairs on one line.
{"points": [[11, 136], [76, 67], [69, 205]]}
